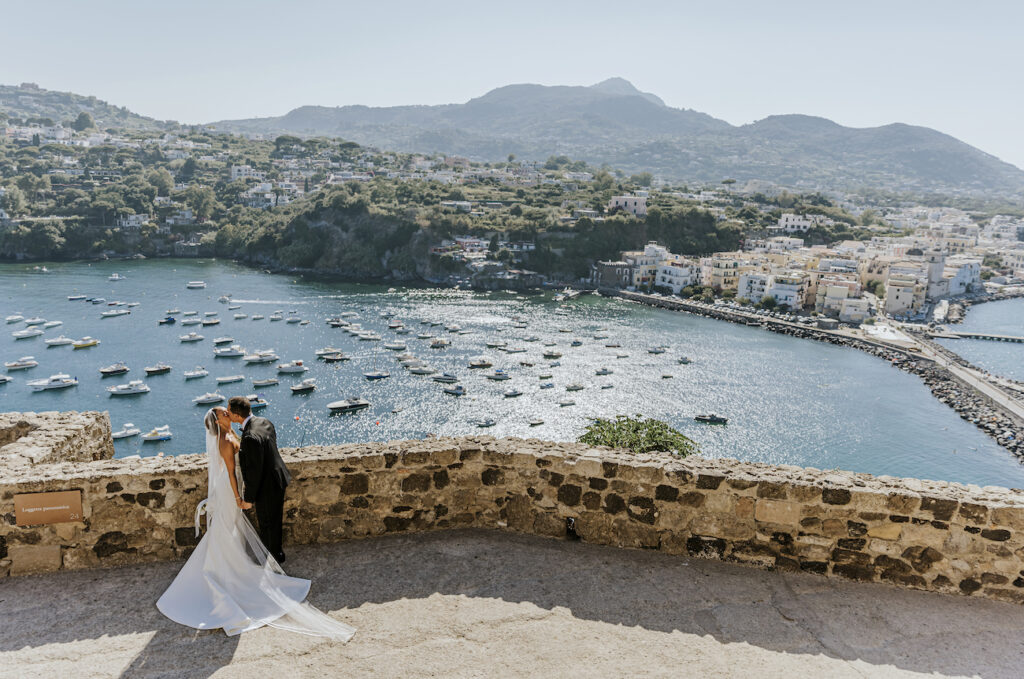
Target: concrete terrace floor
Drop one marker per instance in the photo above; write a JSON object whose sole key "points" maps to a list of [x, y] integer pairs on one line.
{"points": [[485, 604]]}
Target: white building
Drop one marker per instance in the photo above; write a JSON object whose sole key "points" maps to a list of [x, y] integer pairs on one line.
{"points": [[132, 222], [793, 223], [634, 205], [245, 172], [677, 273]]}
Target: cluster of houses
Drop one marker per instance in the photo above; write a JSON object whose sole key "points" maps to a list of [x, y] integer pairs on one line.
{"points": [[942, 258]]}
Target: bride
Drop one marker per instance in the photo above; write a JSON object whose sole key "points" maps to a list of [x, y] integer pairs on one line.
{"points": [[231, 581]]}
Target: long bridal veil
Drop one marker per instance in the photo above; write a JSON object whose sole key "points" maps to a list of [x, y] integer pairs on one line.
{"points": [[231, 581]]}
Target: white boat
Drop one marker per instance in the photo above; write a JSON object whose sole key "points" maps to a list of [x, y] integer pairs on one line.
{"points": [[257, 317], [23, 363], [234, 351], [191, 337], [115, 312], [499, 375], [376, 375], [195, 285], [196, 373], [512, 393], [547, 385], [52, 324], [320, 353], [551, 355], [515, 350], [440, 343], [536, 422], [14, 318], [239, 317], [224, 299], [348, 405], [159, 434], [133, 387], [422, 370], [85, 343], [369, 337], [395, 346], [230, 379], [132, 304], [496, 345], [349, 314], [454, 327], [191, 321], [26, 333], [4, 379], [486, 422], [276, 317], [566, 403], [424, 336], [446, 378], [292, 319], [115, 369], [261, 356], [292, 367], [191, 313], [531, 338], [657, 350], [35, 320], [395, 325], [257, 402], [207, 398], [234, 306], [265, 382], [457, 390], [209, 313], [603, 371], [59, 341], [574, 387], [116, 277], [59, 381], [126, 431], [480, 363], [223, 340], [306, 385], [75, 298], [211, 321], [172, 312]]}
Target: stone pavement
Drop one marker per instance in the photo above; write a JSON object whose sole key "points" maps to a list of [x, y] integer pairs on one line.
{"points": [[477, 603]]}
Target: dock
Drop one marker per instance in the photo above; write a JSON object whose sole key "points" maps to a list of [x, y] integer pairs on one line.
{"points": [[992, 337]]}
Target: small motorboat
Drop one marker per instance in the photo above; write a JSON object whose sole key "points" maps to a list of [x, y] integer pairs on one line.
{"points": [[234, 351], [496, 344], [545, 376], [515, 350], [292, 367], [575, 386], [116, 277], [23, 363], [158, 369], [711, 418], [499, 375], [115, 369], [683, 360], [551, 355], [425, 336], [209, 313], [603, 371], [512, 393], [26, 333], [196, 373], [422, 369], [211, 321], [115, 312], [230, 379], [208, 398], [59, 381], [369, 337], [531, 338], [75, 298], [14, 318], [376, 375], [191, 337], [234, 306], [576, 343], [334, 358], [554, 364], [35, 320], [159, 434], [395, 346], [445, 378], [480, 363], [536, 422], [191, 313], [52, 324], [85, 343], [191, 321], [457, 390], [126, 431], [547, 385], [265, 382], [257, 317], [257, 402], [277, 317], [98, 300], [566, 403], [129, 389], [657, 350], [239, 317], [224, 299], [4, 379], [59, 341], [320, 353], [172, 312], [167, 320], [348, 405], [305, 386], [487, 422], [195, 285], [440, 343], [666, 376], [223, 340], [261, 356]]}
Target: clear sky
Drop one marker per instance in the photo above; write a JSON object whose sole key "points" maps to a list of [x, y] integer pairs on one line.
{"points": [[954, 66]]}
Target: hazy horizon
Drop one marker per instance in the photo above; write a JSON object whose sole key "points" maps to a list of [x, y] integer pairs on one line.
{"points": [[934, 64]]}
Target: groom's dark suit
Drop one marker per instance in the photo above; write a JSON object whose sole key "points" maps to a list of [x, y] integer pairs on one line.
{"points": [[265, 478]]}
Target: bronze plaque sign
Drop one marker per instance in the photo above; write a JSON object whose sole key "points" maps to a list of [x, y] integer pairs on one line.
{"points": [[33, 509]]}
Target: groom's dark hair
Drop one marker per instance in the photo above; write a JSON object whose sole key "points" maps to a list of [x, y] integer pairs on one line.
{"points": [[239, 405]]}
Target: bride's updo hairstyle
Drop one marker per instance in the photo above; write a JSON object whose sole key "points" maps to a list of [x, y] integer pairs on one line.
{"points": [[211, 423]]}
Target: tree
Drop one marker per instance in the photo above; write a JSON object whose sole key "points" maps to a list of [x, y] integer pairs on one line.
{"points": [[643, 179], [13, 201], [202, 201], [492, 247], [511, 157], [161, 180], [768, 302], [83, 122], [188, 170]]}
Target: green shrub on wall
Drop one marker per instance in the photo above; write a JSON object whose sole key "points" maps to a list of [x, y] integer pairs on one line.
{"points": [[638, 435]]}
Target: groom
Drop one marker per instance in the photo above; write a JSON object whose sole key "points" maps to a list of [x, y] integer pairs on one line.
{"points": [[263, 472]]}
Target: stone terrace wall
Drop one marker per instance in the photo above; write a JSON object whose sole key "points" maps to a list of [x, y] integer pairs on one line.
{"points": [[28, 439], [925, 535]]}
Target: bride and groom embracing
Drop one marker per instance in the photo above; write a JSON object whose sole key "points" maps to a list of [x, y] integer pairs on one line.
{"points": [[233, 580]]}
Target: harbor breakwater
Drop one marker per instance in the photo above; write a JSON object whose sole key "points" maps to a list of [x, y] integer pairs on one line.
{"points": [[937, 536], [958, 309], [967, 402]]}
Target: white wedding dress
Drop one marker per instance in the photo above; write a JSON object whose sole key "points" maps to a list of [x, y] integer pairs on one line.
{"points": [[231, 582]]}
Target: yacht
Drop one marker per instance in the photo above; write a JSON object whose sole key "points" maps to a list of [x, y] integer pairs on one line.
{"points": [[224, 299], [233, 307], [551, 355], [536, 422], [116, 277], [457, 390], [35, 320], [159, 434], [75, 298], [234, 351], [158, 369], [547, 385], [191, 321], [223, 340], [23, 363], [499, 375], [486, 422], [191, 313], [480, 363], [257, 317], [191, 337], [115, 312], [14, 318], [261, 356], [683, 360], [395, 346], [172, 312], [320, 353], [230, 379], [265, 382], [575, 386], [59, 381], [85, 343], [52, 324], [711, 418], [239, 317], [446, 378], [305, 386], [115, 369], [292, 367], [59, 341], [26, 333], [657, 350], [422, 369], [4, 379], [196, 373], [133, 387], [565, 403], [515, 350], [211, 321], [348, 405], [257, 402], [195, 285], [376, 375], [336, 357], [440, 343], [602, 372], [369, 336], [512, 393], [126, 431], [275, 317], [496, 344], [208, 398]]}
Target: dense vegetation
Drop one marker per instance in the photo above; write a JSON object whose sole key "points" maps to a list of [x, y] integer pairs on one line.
{"points": [[638, 435]]}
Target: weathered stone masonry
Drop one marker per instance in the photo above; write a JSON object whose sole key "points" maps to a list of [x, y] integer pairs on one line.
{"points": [[920, 534]]}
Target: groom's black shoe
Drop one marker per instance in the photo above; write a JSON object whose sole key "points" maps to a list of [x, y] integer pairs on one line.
{"points": [[280, 558]]}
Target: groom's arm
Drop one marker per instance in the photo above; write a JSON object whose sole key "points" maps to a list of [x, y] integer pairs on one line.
{"points": [[250, 457]]}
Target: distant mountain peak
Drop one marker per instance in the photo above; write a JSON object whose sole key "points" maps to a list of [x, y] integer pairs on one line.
{"points": [[623, 87]]}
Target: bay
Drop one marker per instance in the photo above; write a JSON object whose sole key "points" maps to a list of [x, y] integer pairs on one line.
{"points": [[1005, 317], [789, 401]]}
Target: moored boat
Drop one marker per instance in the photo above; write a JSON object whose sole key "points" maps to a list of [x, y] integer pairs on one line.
{"points": [[158, 369], [23, 363], [711, 418], [305, 386], [348, 405], [58, 381], [114, 369], [131, 388]]}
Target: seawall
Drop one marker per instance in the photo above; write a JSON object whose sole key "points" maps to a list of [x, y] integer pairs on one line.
{"points": [[927, 535]]}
